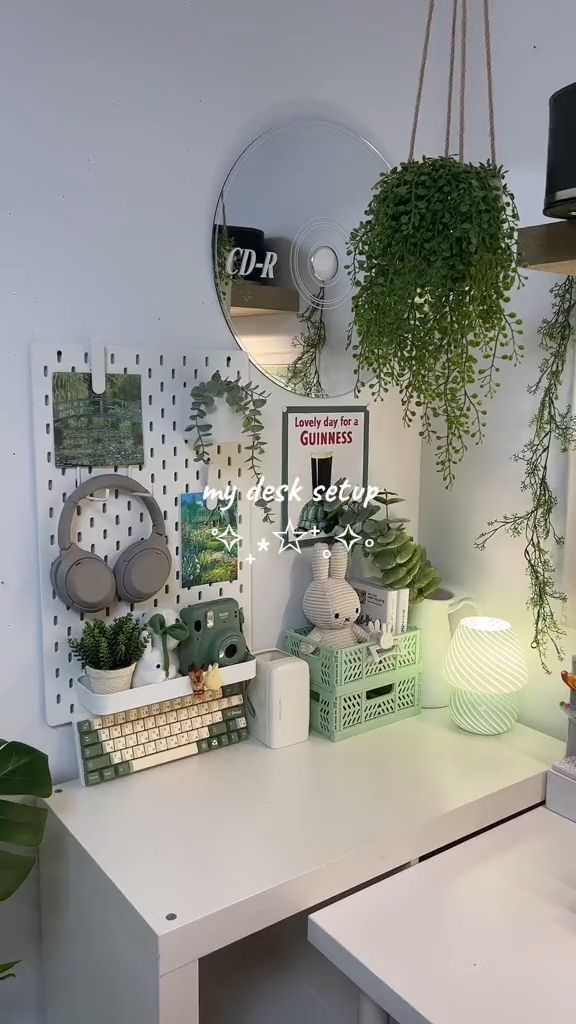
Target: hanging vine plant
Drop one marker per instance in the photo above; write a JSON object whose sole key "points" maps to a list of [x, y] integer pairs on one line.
{"points": [[303, 375], [432, 266], [247, 400], [552, 427]]}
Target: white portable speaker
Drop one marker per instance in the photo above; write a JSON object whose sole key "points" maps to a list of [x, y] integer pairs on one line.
{"points": [[280, 699]]}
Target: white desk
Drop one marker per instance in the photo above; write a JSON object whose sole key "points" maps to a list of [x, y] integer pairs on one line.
{"points": [[234, 841], [484, 932]]}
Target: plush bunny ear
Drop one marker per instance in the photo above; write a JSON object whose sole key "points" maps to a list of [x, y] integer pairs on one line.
{"points": [[319, 562], [338, 562]]}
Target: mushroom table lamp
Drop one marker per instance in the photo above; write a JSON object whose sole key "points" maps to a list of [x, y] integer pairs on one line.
{"points": [[486, 669]]}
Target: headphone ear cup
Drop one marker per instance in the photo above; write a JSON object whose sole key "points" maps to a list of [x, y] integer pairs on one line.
{"points": [[142, 569], [82, 580]]}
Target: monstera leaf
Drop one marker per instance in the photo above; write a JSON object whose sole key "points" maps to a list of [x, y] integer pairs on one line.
{"points": [[23, 772]]}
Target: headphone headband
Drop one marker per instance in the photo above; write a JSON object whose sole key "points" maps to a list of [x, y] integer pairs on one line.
{"points": [[107, 481]]}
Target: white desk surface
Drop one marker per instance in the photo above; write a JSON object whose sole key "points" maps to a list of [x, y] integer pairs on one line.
{"points": [[233, 841], [483, 932]]}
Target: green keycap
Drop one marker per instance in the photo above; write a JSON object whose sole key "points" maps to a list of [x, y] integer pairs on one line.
{"points": [[107, 774], [88, 738], [97, 762], [232, 689], [85, 726], [89, 753], [213, 743], [229, 713], [217, 729], [202, 746], [124, 769], [233, 737], [91, 778], [242, 734], [232, 724], [223, 741]]}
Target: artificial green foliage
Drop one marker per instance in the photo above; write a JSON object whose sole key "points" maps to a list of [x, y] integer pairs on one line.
{"points": [[397, 560], [24, 771], [247, 400], [303, 376], [432, 267], [552, 427], [224, 245], [110, 645]]}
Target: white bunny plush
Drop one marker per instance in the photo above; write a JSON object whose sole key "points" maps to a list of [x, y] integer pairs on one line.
{"points": [[149, 669], [330, 603], [167, 632]]}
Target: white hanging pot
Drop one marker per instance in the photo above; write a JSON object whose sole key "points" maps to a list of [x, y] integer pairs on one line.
{"points": [[110, 680]]}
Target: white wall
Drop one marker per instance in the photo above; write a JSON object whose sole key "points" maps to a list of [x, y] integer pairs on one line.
{"points": [[119, 122], [533, 56]]}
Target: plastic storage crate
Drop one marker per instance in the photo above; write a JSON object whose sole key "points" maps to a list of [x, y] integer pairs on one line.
{"points": [[351, 693], [337, 669]]}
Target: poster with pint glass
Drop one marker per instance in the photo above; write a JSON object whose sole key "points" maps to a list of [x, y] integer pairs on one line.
{"points": [[321, 447]]}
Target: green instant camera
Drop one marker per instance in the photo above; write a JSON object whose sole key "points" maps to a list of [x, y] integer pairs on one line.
{"points": [[215, 635]]}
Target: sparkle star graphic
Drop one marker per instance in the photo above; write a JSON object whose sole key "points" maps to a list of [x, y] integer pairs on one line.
{"points": [[250, 558], [288, 539], [348, 538], [263, 544], [314, 531], [228, 537]]}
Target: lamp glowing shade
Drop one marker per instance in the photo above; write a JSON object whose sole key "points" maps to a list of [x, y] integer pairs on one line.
{"points": [[486, 669]]}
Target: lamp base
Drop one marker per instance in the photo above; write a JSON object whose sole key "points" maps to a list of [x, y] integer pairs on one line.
{"points": [[485, 714]]}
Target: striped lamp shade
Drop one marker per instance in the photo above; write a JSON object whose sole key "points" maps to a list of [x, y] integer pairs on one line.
{"points": [[486, 669]]}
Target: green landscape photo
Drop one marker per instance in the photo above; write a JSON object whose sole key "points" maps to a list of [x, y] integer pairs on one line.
{"points": [[204, 557], [97, 430]]}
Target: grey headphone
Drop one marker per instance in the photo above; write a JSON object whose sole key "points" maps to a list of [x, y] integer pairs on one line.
{"points": [[84, 582]]}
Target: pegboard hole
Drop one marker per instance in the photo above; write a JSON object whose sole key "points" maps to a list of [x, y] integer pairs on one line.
{"points": [[58, 698], [112, 357], [228, 360], [57, 673], [59, 356]]}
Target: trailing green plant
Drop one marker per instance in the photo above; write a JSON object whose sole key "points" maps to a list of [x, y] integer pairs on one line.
{"points": [[397, 559], [24, 772], [432, 267], [247, 400], [303, 375], [552, 426], [224, 245], [110, 645]]}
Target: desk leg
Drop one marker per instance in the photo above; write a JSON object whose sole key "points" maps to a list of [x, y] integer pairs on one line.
{"points": [[178, 996], [370, 1013]]}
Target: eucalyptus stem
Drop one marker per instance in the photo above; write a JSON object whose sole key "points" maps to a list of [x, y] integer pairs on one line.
{"points": [[247, 400], [551, 426]]}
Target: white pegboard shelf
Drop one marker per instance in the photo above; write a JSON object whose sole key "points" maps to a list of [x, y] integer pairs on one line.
{"points": [[181, 686], [169, 470]]}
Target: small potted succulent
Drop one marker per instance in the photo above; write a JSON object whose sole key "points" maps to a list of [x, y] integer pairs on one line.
{"points": [[108, 651]]}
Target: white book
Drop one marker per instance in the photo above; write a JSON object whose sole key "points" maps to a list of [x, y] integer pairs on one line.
{"points": [[403, 599], [390, 609]]}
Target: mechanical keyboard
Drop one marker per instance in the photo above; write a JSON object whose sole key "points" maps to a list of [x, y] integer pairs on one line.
{"points": [[112, 746]]}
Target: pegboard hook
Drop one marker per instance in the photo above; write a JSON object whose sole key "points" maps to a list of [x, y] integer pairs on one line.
{"points": [[91, 497], [98, 366]]}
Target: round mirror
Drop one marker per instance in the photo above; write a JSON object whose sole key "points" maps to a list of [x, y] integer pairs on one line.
{"points": [[280, 235]]}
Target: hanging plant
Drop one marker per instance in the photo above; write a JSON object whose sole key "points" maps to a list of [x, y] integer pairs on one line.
{"points": [[552, 426], [304, 373], [247, 400], [432, 267]]}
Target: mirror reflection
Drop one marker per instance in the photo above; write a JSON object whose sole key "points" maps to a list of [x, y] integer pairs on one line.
{"points": [[279, 250]]}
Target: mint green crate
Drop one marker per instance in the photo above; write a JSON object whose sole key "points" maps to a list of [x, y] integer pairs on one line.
{"points": [[388, 698], [349, 667]]}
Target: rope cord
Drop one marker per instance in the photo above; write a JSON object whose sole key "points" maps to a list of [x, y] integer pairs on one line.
{"points": [[489, 81], [421, 78], [463, 31], [451, 78]]}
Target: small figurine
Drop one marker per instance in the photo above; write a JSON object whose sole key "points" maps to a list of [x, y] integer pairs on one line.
{"points": [[569, 678], [196, 676], [213, 679]]}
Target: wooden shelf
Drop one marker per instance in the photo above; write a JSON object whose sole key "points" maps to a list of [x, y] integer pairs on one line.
{"points": [[549, 247], [249, 298]]}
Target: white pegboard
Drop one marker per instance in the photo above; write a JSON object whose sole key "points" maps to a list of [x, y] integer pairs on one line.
{"points": [[169, 470]]}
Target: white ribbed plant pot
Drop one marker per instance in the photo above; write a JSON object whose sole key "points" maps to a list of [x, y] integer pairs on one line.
{"points": [[110, 680]]}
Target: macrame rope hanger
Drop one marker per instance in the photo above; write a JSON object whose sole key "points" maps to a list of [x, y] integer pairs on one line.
{"points": [[459, 12]]}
